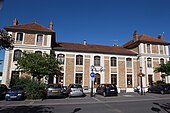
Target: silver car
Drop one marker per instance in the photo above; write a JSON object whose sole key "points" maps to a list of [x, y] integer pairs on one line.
{"points": [[75, 90], [54, 90]]}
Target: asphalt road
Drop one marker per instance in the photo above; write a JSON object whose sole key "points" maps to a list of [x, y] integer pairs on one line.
{"points": [[124, 103]]}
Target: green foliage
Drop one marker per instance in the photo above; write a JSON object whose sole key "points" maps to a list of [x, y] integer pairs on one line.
{"points": [[6, 41], [164, 68], [33, 89], [38, 65]]}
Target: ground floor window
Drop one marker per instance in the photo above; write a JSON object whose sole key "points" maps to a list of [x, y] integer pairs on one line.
{"points": [[14, 76], [79, 78], [129, 81], [114, 79], [150, 79], [59, 78]]}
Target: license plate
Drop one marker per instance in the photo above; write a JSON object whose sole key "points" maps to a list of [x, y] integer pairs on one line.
{"points": [[112, 90], [55, 91], [13, 96]]}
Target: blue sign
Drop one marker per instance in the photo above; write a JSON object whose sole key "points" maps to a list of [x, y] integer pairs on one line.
{"points": [[92, 74]]}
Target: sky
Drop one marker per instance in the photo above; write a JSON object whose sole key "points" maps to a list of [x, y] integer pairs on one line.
{"points": [[105, 22]]}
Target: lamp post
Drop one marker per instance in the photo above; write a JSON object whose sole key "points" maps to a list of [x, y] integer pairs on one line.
{"points": [[141, 80]]}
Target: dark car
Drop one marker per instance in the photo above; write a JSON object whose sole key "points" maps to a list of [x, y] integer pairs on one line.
{"points": [[107, 90], [161, 88], [15, 93], [3, 90], [55, 90], [75, 90]]}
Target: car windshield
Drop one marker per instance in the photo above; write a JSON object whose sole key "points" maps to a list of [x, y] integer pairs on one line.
{"points": [[110, 85], [76, 86], [16, 88], [54, 86]]}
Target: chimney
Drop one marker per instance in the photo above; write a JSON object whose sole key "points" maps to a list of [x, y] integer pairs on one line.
{"points": [[85, 42], [135, 36], [51, 25], [15, 22], [160, 37]]}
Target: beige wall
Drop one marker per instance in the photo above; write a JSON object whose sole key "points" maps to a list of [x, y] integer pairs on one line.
{"points": [[107, 69], [29, 39], [121, 65], [86, 70]]}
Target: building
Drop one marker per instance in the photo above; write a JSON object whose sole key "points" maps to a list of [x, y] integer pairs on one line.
{"points": [[111, 64]]}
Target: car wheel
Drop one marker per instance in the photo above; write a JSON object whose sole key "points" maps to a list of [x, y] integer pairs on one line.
{"points": [[104, 94], [162, 92]]}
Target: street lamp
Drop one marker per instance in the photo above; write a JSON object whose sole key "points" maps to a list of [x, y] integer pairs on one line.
{"points": [[141, 75]]}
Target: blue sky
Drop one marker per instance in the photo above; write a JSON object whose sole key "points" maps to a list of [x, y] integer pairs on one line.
{"points": [[98, 21]]}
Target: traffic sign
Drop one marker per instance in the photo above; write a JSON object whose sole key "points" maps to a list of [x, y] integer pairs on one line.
{"points": [[92, 74]]}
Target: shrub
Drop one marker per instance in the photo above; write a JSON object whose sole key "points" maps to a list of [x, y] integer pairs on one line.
{"points": [[33, 89]]}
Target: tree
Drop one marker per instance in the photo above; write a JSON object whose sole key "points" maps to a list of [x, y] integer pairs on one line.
{"points": [[164, 68], [38, 65], [6, 40]]}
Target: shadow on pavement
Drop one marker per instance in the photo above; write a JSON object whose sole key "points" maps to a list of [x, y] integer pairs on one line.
{"points": [[160, 107], [26, 109]]}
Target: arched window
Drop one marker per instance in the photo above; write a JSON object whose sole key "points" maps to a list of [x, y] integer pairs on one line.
{"points": [[38, 52], [79, 60], [149, 62], [60, 58], [113, 61], [161, 61], [96, 60], [17, 55], [129, 62]]}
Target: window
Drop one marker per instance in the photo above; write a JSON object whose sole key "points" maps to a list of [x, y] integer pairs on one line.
{"points": [[129, 62], [161, 61], [59, 78], [161, 49], [150, 80], [78, 78], [113, 61], [148, 48], [149, 62], [38, 52], [14, 76], [97, 61], [60, 58], [17, 54], [79, 60], [39, 38], [19, 37], [114, 79], [129, 81]]}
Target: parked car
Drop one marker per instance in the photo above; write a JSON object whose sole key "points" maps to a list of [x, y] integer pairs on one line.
{"points": [[160, 88], [55, 90], [107, 90], [15, 93], [75, 90], [3, 90]]}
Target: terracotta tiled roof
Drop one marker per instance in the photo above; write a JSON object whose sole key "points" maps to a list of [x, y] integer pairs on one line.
{"points": [[30, 27], [145, 39], [92, 48]]}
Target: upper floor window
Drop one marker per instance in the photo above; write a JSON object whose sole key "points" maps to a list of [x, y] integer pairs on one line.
{"points": [[148, 48], [113, 61], [149, 62], [17, 55], [39, 38], [19, 37], [161, 61], [60, 58], [79, 60], [129, 62], [161, 49], [96, 60]]}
